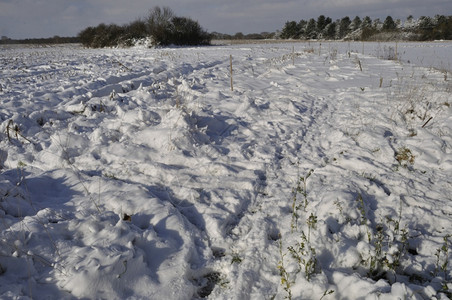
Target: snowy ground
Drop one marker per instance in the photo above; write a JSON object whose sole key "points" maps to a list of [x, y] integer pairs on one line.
{"points": [[138, 173]]}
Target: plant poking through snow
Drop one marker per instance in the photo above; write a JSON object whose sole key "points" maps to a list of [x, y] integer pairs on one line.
{"points": [[376, 260], [399, 242], [285, 280], [304, 254], [326, 293], [362, 209], [236, 258], [295, 191], [312, 222], [301, 188], [16, 129], [305, 190], [389, 245], [404, 156], [442, 259]]}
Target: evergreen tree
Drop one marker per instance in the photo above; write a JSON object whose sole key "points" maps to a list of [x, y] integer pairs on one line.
{"points": [[302, 28], [356, 23], [328, 21], [426, 28], [389, 24], [442, 28], [290, 30], [330, 31], [367, 22], [425, 23], [367, 30], [448, 29], [321, 23], [409, 23], [344, 27], [311, 29], [377, 24]]}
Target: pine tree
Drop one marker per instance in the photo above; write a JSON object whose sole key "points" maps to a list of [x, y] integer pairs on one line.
{"points": [[330, 31], [367, 22], [389, 24], [356, 24], [290, 30], [321, 23], [311, 29], [302, 28], [344, 27], [367, 30]]}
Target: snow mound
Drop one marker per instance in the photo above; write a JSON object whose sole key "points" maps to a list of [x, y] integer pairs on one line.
{"points": [[139, 173]]}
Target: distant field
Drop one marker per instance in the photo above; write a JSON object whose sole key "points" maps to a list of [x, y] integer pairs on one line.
{"points": [[427, 54]]}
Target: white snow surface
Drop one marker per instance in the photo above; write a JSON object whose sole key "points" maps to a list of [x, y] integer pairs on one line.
{"points": [[139, 174]]}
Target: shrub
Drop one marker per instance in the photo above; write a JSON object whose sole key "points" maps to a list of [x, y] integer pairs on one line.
{"points": [[161, 25], [166, 28], [101, 36], [134, 31], [185, 31], [87, 35]]}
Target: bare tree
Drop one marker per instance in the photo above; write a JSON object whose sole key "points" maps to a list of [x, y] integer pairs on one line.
{"points": [[159, 23]]}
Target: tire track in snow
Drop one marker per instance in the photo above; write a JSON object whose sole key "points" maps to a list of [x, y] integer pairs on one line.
{"points": [[92, 107]]}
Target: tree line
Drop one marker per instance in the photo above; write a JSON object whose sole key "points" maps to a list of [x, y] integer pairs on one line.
{"points": [[53, 40], [366, 29], [162, 26]]}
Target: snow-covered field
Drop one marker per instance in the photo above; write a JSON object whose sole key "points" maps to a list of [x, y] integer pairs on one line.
{"points": [[139, 173]]}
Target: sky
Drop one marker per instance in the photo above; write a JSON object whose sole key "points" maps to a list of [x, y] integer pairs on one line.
{"points": [[46, 18]]}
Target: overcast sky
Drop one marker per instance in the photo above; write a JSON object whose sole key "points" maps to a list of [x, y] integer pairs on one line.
{"points": [[47, 18]]}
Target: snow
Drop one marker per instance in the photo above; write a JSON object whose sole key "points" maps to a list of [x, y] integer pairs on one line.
{"points": [[138, 173]]}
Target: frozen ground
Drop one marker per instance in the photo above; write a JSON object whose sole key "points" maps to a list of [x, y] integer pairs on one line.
{"points": [[138, 173]]}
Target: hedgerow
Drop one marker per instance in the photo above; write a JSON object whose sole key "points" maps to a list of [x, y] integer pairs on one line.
{"points": [[162, 26]]}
